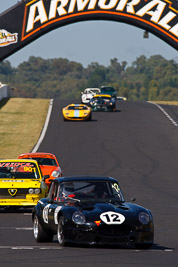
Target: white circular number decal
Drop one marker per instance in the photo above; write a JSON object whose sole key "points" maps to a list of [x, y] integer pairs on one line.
{"points": [[111, 217], [45, 213]]}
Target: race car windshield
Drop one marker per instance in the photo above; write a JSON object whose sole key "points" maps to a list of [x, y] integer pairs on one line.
{"points": [[95, 91], [90, 190], [45, 161], [77, 108], [102, 98], [22, 170], [108, 89]]}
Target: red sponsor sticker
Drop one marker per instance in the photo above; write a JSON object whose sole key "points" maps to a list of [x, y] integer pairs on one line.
{"points": [[16, 164]]}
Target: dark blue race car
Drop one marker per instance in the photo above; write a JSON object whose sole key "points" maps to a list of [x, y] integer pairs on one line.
{"points": [[102, 103], [91, 210]]}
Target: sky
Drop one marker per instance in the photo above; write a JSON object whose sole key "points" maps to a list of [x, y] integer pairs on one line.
{"points": [[93, 41]]}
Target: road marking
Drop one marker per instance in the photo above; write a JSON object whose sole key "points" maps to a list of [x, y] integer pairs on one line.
{"points": [[21, 248], [18, 228], [24, 228], [30, 247], [165, 113], [59, 248], [156, 250], [44, 128]]}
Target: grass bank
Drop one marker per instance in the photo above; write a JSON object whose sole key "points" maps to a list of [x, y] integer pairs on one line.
{"points": [[166, 102], [21, 122]]}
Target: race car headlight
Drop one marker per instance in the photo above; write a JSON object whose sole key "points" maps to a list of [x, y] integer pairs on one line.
{"points": [[67, 113], [34, 190], [78, 217], [111, 103], [55, 174], [85, 113], [144, 217], [31, 191], [37, 190]]}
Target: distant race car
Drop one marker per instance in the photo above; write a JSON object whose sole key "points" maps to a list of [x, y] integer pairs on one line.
{"points": [[77, 112], [48, 163], [91, 210], [21, 183], [121, 98], [102, 103], [88, 93], [108, 90]]}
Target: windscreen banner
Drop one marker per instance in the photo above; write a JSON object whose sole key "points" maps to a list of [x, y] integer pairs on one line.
{"points": [[29, 19]]}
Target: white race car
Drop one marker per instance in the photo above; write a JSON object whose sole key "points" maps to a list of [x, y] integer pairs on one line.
{"points": [[88, 94]]}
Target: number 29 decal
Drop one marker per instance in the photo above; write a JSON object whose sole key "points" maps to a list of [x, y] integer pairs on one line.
{"points": [[111, 217]]}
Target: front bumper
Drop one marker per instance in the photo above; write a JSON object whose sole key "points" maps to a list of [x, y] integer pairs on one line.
{"points": [[76, 118], [104, 235], [27, 201], [81, 118], [102, 108]]}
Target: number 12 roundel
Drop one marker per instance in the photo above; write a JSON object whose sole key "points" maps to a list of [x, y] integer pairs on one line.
{"points": [[111, 217]]}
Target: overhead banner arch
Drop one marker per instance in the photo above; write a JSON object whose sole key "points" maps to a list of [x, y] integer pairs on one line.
{"points": [[30, 19]]}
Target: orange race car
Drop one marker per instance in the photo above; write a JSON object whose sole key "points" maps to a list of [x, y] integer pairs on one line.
{"points": [[48, 164]]}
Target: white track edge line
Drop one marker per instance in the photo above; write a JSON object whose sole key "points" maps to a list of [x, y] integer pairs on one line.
{"points": [[44, 128], [165, 113]]}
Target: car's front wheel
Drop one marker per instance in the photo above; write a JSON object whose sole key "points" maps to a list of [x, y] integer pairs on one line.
{"points": [[39, 233], [60, 232], [90, 118]]}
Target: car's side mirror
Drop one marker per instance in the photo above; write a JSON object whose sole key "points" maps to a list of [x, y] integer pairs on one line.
{"points": [[133, 199], [45, 177]]}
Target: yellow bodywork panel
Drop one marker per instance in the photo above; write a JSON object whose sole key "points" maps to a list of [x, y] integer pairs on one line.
{"points": [[21, 183], [76, 112]]}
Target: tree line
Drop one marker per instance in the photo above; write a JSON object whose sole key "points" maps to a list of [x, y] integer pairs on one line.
{"points": [[147, 79]]}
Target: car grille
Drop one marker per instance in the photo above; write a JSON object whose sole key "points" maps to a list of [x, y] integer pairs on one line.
{"points": [[76, 118], [114, 230], [102, 106], [20, 193]]}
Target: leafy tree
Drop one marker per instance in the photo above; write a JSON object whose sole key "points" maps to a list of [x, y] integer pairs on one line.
{"points": [[154, 78]]}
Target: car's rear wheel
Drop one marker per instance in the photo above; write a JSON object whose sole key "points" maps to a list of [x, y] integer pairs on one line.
{"points": [[60, 232], [39, 233]]}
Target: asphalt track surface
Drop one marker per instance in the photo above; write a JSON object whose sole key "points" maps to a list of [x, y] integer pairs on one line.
{"points": [[138, 145]]}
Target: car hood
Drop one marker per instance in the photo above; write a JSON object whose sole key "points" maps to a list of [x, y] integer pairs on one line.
{"points": [[109, 92], [101, 101], [92, 211], [89, 94], [77, 113]]}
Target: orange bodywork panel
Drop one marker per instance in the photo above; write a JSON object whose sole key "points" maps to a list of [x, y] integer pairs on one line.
{"points": [[48, 163]]}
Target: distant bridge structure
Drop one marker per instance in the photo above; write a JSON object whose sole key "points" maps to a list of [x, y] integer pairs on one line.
{"points": [[26, 21]]}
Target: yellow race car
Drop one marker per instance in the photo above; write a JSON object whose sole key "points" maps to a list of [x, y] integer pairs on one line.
{"points": [[21, 183], [77, 112]]}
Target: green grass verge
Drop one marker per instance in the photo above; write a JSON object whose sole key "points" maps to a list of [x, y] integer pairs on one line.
{"points": [[21, 122], [166, 102]]}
